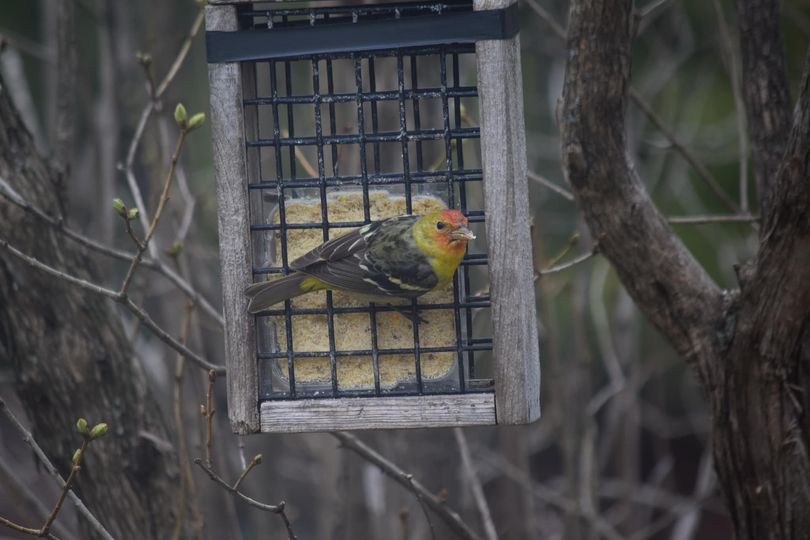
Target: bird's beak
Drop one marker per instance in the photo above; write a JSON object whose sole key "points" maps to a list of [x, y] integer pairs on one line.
{"points": [[462, 233]]}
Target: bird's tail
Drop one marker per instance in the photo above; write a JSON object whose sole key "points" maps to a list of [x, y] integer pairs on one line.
{"points": [[268, 293]]}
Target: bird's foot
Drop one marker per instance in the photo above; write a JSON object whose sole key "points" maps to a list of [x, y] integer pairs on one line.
{"points": [[412, 315]]}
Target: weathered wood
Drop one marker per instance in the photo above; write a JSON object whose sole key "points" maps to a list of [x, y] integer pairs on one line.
{"points": [[230, 169], [503, 149], [377, 413]]}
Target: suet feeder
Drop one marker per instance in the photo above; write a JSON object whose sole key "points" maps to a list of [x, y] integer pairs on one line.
{"points": [[326, 117]]}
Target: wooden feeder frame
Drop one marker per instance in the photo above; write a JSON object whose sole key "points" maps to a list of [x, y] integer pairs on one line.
{"points": [[516, 399]]}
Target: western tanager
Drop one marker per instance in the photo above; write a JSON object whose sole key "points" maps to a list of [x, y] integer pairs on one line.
{"points": [[403, 257]]}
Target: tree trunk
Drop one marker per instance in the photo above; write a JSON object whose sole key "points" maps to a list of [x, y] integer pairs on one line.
{"points": [[72, 359], [751, 347]]}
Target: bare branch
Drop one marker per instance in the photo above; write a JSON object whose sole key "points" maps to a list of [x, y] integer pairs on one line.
{"points": [[64, 123], [660, 274], [731, 62], [701, 220], [118, 297], [701, 170], [475, 484], [15, 487], [274, 508], [153, 104], [164, 196], [450, 517], [207, 410], [570, 264], [156, 265], [29, 440], [534, 177]]}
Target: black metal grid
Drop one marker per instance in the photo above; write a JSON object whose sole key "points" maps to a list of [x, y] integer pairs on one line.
{"points": [[284, 93]]}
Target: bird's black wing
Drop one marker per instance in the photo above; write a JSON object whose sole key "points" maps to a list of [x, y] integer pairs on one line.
{"points": [[368, 260], [338, 248]]}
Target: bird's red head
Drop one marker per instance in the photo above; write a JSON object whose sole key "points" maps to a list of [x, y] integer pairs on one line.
{"points": [[447, 229]]}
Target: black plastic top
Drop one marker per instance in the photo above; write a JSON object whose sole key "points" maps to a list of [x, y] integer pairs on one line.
{"points": [[362, 35]]}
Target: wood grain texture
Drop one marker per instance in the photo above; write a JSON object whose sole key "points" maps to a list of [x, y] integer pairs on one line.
{"points": [[230, 169], [765, 84], [377, 413], [506, 190]]}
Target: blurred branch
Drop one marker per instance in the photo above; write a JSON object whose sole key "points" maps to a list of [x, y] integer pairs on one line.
{"points": [[701, 170], [65, 485], [699, 220], [534, 177], [118, 297], [541, 12], [207, 411], [730, 57], [187, 487], [650, 8], [164, 196], [16, 81], [156, 265], [66, 89], [570, 264], [152, 105], [475, 484], [21, 493], [687, 524], [552, 497], [449, 516]]}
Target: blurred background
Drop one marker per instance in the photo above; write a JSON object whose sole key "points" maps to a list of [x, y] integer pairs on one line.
{"points": [[621, 450]]}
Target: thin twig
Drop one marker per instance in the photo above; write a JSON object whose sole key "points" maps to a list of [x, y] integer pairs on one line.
{"points": [[146, 113], [164, 196], [74, 470], [274, 508], [155, 265], [420, 499], [541, 12], [534, 177], [449, 516], [186, 477], [570, 264], [739, 104], [647, 10], [22, 492], [573, 240], [207, 411], [29, 440], [700, 220], [257, 459], [475, 484], [181, 55], [701, 170], [136, 310]]}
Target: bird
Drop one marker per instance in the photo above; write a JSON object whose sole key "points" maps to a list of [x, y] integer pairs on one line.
{"points": [[399, 257]]}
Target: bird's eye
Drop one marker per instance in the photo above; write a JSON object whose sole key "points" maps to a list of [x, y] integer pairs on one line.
{"points": [[440, 225]]}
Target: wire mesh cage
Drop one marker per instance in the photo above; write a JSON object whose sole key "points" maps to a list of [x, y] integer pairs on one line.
{"points": [[340, 120]]}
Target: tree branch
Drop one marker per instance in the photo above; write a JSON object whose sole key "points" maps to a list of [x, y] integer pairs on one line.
{"points": [[118, 297], [765, 87], [663, 278], [449, 516], [155, 265], [29, 440]]}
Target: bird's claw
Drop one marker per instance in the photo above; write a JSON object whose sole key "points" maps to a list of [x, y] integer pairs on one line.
{"points": [[413, 316]]}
